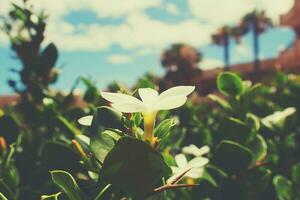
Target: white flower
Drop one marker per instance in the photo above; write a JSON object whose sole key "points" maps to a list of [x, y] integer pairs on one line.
{"points": [[194, 150], [277, 117], [196, 166], [151, 102]]}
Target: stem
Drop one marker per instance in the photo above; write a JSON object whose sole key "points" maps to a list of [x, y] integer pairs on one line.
{"points": [[170, 187], [149, 124], [226, 51], [256, 48]]}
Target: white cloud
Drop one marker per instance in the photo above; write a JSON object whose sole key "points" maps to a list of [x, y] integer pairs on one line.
{"points": [[172, 9], [209, 63], [228, 11], [118, 59], [139, 31]]}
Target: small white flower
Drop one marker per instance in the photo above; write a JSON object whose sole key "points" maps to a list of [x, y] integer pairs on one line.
{"points": [[194, 150], [278, 117], [150, 101], [196, 166]]}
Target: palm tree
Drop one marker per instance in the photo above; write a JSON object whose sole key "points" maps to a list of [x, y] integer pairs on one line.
{"points": [[258, 23], [222, 38], [181, 62]]}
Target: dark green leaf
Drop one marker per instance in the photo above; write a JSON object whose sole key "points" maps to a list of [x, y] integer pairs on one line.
{"points": [[134, 166], [296, 173], [56, 155], [235, 130], [49, 56], [107, 117], [9, 128], [231, 156], [67, 184]]}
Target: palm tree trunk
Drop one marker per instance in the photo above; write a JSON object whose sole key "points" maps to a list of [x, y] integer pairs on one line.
{"points": [[226, 53], [256, 50]]}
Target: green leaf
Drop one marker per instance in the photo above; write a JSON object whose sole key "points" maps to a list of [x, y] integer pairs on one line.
{"points": [[2, 197], [67, 184], [259, 148], [57, 155], [101, 196], [296, 173], [235, 130], [163, 129], [283, 188], [50, 197], [230, 84], [107, 117], [135, 167], [71, 128], [102, 143], [221, 102], [256, 183], [231, 156], [137, 118]]}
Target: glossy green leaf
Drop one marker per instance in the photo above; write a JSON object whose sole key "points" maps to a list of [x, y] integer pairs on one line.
{"points": [[102, 143], [67, 184], [135, 167], [231, 156], [230, 84], [283, 188]]}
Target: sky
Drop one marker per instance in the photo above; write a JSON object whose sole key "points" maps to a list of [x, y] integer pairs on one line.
{"points": [[120, 40]]}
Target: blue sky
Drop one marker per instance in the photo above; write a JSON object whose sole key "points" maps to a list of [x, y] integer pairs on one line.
{"points": [[121, 40]]}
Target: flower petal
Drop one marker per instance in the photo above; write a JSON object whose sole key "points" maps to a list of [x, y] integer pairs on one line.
{"points": [[178, 90], [86, 120], [198, 162], [171, 102], [148, 96], [194, 150], [119, 98], [195, 173], [129, 107], [181, 161]]}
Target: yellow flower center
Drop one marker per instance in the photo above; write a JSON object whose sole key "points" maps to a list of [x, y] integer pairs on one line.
{"points": [[149, 124]]}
